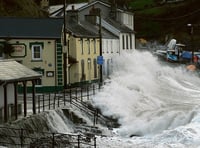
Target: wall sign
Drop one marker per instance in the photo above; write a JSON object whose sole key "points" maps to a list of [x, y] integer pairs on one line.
{"points": [[50, 73], [19, 50]]}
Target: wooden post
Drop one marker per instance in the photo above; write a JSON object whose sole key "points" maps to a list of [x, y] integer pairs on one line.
{"points": [[16, 104], [33, 96], [25, 98]]}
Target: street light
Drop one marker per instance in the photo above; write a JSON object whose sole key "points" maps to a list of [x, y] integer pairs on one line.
{"points": [[191, 33]]}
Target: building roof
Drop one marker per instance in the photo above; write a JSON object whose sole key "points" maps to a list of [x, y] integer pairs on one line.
{"points": [[121, 27], [95, 28], [57, 10], [79, 30], [39, 28], [11, 71]]}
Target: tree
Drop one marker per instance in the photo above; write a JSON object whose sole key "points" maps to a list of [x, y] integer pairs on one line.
{"points": [[122, 3], [6, 48]]}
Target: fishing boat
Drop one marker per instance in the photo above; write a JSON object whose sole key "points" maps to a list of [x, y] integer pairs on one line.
{"points": [[176, 52]]}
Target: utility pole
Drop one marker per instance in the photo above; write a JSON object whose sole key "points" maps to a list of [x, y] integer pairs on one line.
{"points": [[65, 45], [100, 46]]}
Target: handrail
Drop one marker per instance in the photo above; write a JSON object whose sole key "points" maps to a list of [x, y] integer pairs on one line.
{"points": [[26, 137]]}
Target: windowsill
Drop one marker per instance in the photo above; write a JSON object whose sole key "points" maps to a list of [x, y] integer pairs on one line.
{"points": [[38, 85], [36, 60]]}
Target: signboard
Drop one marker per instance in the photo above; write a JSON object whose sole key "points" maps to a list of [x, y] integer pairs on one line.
{"points": [[100, 60], [19, 50]]}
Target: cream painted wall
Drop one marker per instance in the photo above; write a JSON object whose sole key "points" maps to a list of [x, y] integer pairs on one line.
{"points": [[75, 50], [48, 58]]}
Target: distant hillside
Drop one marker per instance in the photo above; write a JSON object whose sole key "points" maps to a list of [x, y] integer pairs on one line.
{"points": [[20, 8], [155, 20]]}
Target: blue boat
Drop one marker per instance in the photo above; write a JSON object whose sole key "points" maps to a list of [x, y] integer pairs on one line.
{"points": [[177, 53]]}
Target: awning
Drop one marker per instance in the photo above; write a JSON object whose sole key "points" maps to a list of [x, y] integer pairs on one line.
{"points": [[11, 71]]}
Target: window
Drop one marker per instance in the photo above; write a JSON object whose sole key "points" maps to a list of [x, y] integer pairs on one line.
{"points": [[88, 46], [81, 42], [40, 71], [95, 68], [103, 44], [123, 42], [38, 82], [82, 70], [127, 46], [36, 52], [131, 46]]}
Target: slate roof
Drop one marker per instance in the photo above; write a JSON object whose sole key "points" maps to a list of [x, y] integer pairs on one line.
{"points": [[57, 10], [121, 27], [79, 30], [11, 71], [49, 28], [95, 28]]}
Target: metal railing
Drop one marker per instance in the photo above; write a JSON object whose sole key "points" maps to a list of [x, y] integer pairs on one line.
{"points": [[22, 138], [76, 97]]}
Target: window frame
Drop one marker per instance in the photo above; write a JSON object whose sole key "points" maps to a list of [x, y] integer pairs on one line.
{"points": [[33, 52]]}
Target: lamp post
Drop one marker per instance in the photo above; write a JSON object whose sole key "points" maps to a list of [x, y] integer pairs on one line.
{"points": [[191, 33]]}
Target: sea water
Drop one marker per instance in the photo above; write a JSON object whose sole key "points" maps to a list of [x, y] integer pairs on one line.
{"points": [[157, 104]]}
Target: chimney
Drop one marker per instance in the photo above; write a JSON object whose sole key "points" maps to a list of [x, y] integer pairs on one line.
{"points": [[113, 11], [72, 15], [93, 13], [72, 7]]}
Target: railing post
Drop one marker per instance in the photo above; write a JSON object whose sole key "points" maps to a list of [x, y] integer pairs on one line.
{"points": [[64, 97], [76, 94], [21, 137], [96, 116], [43, 102], [81, 93], [87, 92], [94, 120], [38, 103], [53, 139], [79, 141], [49, 101], [58, 100], [95, 143], [54, 100], [70, 95], [93, 89]]}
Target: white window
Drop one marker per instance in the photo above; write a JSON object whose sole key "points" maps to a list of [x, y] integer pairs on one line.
{"points": [[88, 42], [81, 43], [36, 52]]}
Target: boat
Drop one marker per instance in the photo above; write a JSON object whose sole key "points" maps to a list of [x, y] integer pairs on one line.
{"points": [[176, 52]]}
